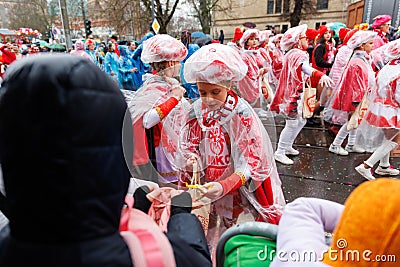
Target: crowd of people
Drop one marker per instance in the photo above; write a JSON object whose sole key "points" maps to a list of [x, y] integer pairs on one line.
{"points": [[185, 118]]}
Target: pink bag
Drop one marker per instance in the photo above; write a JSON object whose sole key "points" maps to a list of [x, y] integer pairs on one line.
{"points": [[148, 245]]}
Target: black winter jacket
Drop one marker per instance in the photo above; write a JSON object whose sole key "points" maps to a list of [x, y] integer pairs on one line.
{"points": [[63, 165]]}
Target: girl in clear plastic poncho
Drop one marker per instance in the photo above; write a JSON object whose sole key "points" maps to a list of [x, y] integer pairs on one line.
{"points": [[289, 93], [250, 42], [156, 109], [229, 142], [383, 115], [358, 77]]}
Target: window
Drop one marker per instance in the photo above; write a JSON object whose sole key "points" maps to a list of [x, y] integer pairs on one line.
{"points": [[319, 24], [284, 28], [270, 7], [274, 5], [322, 4], [278, 6]]}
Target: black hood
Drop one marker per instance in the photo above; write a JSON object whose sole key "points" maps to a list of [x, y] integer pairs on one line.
{"points": [[61, 150]]}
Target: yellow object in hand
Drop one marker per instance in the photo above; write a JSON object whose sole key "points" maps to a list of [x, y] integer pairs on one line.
{"points": [[197, 186]]}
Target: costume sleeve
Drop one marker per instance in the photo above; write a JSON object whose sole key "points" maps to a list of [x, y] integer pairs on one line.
{"points": [[306, 68], [302, 228], [155, 115], [310, 71], [233, 182], [248, 86], [319, 57]]}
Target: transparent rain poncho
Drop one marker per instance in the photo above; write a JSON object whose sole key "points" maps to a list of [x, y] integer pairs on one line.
{"points": [[227, 140], [382, 119]]}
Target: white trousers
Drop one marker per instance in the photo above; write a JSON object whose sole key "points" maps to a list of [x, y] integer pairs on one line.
{"points": [[382, 154], [289, 133], [342, 134]]}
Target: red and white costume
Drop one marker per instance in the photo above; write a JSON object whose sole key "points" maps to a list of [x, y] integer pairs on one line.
{"points": [[381, 123], [342, 59], [358, 79], [384, 111], [231, 145], [262, 60], [156, 114], [276, 55], [289, 93], [356, 76]]}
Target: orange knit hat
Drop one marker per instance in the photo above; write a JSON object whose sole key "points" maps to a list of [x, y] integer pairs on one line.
{"points": [[369, 229]]}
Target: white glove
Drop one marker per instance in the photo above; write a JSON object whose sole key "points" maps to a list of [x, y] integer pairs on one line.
{"points": [[325, 81]]}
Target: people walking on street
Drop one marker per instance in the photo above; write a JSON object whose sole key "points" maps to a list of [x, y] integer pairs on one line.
{"points": [[289, 94], [358, 79], [126, 69], [383, 114]]}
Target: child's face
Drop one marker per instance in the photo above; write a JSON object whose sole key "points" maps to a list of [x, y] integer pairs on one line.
{"points": [[327, 36], [212, 95], [368, 46], [252, 42], [173, 68]]}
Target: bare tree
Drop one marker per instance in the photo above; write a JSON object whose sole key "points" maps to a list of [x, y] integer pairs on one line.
{"points": [[29, 14], [126, 17], [183, 22], [296, 10], [203, 9], [163, 12]]}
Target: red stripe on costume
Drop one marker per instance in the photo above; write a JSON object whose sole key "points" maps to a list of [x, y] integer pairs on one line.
{"points": [[265, 197], [382, 122], [231, 183], [140, 147], [165, 108]]}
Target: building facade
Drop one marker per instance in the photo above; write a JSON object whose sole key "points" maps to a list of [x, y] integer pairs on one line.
{"points": [[233, 13]]}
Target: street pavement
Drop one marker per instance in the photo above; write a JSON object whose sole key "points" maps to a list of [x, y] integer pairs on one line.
{"points": [[316, 172]]}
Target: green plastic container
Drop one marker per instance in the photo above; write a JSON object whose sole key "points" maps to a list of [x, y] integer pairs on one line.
{"points": [[247, 250]]}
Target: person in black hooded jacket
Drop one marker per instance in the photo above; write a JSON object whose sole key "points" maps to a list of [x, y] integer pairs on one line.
{"points": [[64, 170], [63, 164]]}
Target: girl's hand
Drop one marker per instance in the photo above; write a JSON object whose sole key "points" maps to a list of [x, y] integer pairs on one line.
{"points": [[178, 92], [326, 81], [263, 71], [214, 190]]}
